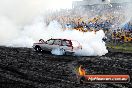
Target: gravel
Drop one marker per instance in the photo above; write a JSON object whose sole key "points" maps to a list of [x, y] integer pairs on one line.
{"points": [[25, 68]]}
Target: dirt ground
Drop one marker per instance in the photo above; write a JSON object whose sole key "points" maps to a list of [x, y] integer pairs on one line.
{"points": [[24, 68]]}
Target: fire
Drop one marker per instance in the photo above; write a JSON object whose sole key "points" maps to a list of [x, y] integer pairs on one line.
{"points": [[82, 71]]}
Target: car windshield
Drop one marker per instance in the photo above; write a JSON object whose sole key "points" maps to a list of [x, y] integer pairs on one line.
{"points": [[41, 41]]}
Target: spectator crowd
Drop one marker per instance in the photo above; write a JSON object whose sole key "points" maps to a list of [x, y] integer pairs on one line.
{"points": [[109, 19]]}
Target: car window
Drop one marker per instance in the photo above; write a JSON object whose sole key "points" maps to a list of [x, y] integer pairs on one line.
{"points": [[50, 42], [65, 43], [57, 42]]}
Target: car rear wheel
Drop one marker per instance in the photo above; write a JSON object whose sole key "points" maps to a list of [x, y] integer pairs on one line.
{"points": [[38, 49], [63, 51]]}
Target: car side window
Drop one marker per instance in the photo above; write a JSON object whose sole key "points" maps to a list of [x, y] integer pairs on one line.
{"points": [[50, 42], [57, 42], [65, 43]]}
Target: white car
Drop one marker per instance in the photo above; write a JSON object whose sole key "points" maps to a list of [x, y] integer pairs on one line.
{"points": [[67, 46]]}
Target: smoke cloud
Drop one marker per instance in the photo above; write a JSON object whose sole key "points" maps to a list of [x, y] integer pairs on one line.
{"points": [[22, 11], [14, 14], [18, 28], [127, 13], [92, 44]]}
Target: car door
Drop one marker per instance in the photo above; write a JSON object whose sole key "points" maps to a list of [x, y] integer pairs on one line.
{"points": [[56, 44], [66, 45], [48, 45]]}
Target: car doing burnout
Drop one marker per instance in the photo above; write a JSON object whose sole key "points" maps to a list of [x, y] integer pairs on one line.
{"points": [[64, 45]]}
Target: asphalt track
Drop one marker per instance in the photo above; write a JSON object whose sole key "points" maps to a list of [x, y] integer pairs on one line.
{"points": [[25, 68]]}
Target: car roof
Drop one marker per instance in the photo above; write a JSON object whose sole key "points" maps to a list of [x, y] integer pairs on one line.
{"points": [[64, 40], [60, 39]]}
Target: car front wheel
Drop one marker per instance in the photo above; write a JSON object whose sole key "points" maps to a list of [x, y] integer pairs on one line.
{"points": [[38, 49]]}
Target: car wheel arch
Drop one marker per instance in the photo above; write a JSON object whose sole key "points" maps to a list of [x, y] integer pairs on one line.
{"points": [[38, 48]]}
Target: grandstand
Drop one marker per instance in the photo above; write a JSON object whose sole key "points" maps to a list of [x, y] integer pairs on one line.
{"points": [[94, 15], [86, 3]]}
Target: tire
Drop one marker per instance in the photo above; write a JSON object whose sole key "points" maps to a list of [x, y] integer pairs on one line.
{"points": [[38, 49], [63, 51]]}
